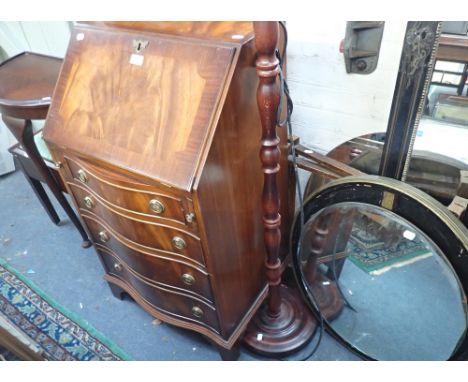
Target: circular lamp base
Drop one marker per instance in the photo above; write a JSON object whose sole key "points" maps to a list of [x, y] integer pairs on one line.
{"points": [[284, 334]]}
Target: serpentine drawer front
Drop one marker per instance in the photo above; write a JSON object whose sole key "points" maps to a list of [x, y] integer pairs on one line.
{"points": [[158, 266], [149, 234], [155, 128], [130, 197], [162, 298]]}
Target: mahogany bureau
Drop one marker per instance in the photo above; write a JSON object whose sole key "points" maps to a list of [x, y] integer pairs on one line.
{"points": [[156, 129]]}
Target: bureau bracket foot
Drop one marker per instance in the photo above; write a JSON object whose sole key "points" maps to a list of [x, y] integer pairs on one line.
{"points": [[116, 290], [280, 336], [86, 244], [232, 354]]}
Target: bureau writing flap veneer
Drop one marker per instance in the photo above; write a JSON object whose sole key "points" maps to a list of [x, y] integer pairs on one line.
{"points": [[156, 128]]}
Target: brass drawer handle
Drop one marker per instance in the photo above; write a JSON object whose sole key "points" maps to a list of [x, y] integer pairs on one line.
{"points": [[103, 236], [118, 267], [190, 217], [82, 176], [178, 242], [156, 206], [197, 312], [188, 279], [89, 202]]}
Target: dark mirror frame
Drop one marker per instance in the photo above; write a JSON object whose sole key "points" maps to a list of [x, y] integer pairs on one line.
{"points": [[414, 75], [414, 205]]}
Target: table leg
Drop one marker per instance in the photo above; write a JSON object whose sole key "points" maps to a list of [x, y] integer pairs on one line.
{"points": [[40, 193], [22, 130]]}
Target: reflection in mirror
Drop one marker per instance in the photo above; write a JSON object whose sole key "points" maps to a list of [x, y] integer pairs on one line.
{"points": [[435, 171], [442, 133], [382, 284]]}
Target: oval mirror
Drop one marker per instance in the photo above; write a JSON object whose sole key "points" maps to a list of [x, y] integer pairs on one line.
{"points": [[386, 265]]}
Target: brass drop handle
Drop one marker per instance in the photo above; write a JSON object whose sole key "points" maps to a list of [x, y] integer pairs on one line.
{"points": [[190, 217], [178, 242], [118, 267], [197, 312], [188, 279], [103, 236], [156, 206], [82, 176], [89, 202]]}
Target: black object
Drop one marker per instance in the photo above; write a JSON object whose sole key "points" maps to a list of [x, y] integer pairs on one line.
{"points": [[408, 203], [418, 54], [361, 46]]}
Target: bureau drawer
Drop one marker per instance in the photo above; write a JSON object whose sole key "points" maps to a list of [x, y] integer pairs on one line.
{"points": [[149, 234], [167, 300], [158, 267], [130, 195]]}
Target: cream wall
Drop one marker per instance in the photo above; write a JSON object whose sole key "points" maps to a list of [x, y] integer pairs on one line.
{"points": [[332, 106], [42, 37]]}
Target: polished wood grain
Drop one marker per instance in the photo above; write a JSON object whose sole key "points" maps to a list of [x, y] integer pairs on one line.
{"points": [[152, 251], [146, 233], [164, 106], [285, 322], [27, 83], [215, 178], [229, 31], [268, 93], [129, 197], [120, 286], [155, 265], [169, 301], [228, 198]]}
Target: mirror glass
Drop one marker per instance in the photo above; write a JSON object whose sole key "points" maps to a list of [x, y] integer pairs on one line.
{"points": [[439, 151], [382, 284]]}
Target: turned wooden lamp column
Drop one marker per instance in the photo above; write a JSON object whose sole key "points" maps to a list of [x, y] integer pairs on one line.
{"points": [[283, 324]]}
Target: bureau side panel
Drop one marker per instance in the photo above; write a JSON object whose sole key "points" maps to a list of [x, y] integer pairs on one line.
{"points": [[228, 197]]}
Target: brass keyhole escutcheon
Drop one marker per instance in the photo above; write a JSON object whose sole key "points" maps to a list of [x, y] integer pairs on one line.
{"points": [[82, 176], [156, 206], [188, 279], [178, 242], [118, 267], [89, 202], [103, 236], [139, 45], [197, 312]]}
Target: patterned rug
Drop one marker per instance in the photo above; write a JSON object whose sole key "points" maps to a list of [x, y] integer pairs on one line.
{"points": [[47, 325], [376, 257]]}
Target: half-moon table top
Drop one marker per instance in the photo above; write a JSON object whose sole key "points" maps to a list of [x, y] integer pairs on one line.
{"points": [[28, 80]]}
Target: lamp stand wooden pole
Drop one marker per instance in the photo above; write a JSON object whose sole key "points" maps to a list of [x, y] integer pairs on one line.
{"points": [[284, 324]]}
